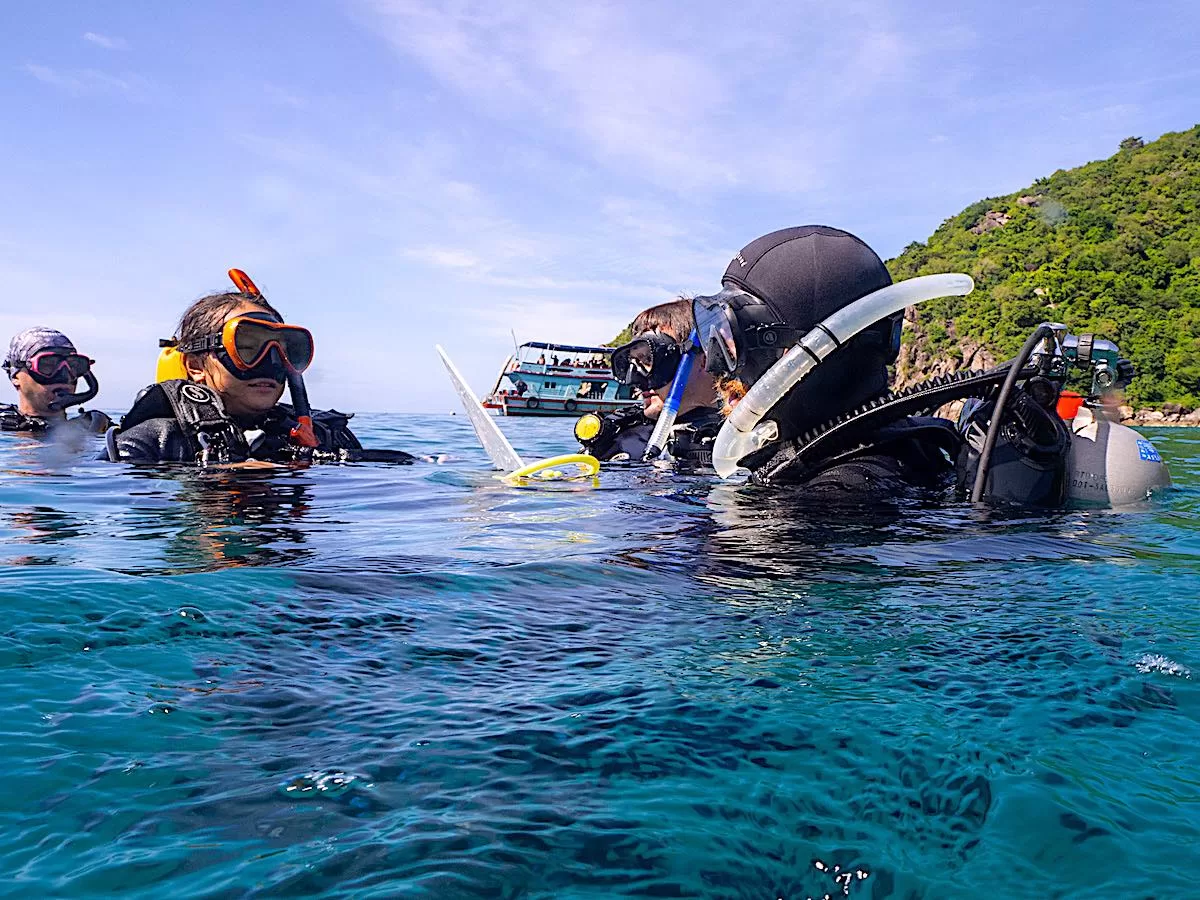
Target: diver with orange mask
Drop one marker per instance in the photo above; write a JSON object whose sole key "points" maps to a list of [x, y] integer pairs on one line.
{"points": [[216, 400]]}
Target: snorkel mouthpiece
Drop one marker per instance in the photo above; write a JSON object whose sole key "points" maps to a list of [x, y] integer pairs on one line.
{"points": [[666, 419], [303, 433], [93, 388], [742, 433]]}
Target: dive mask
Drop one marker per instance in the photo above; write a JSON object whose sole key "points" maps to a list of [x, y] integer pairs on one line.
{"points": [[248, 340], [647, 362], [57, 367], [733, 326]]}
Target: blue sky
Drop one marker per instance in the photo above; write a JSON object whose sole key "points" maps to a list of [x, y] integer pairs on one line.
{"points": [[396, 174]]}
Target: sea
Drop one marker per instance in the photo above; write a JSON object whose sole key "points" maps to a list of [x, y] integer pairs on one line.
{"points": [[381, 681]]}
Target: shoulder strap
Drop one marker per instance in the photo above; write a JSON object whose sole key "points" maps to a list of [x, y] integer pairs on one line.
{"points": [[210, 434], [849, 431]]}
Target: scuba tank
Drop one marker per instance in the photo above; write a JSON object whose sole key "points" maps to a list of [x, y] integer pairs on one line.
{"points": [[1018, 447], [1111, 464]]}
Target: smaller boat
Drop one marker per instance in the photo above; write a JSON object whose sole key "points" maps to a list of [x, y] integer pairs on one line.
{"points": [[557, 380]]}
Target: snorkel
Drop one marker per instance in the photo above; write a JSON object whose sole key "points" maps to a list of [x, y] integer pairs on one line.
{"points": [[666, 419], [744, 431], [303, 433], [93, 388]]}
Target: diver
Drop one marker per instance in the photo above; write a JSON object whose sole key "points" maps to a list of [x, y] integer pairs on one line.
{"points": [[650, 362], [800, 339], [218, 390], [776, 290], [45, 368]]}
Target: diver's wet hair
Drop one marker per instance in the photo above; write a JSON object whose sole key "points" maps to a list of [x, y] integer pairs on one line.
{"points": [[207, 315], [673, 318]]}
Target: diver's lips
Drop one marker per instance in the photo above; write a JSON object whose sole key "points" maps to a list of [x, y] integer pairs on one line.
{"points": [[265, 384]]}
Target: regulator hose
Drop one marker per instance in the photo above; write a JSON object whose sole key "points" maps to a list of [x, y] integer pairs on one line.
{"points": [[993, 432]]}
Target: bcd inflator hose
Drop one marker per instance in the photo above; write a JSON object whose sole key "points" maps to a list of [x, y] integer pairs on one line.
{"points": [[1014, 373]]}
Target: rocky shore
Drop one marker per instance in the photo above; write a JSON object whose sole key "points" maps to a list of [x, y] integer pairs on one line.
{"points": [[916, 364], [1172, 414]]}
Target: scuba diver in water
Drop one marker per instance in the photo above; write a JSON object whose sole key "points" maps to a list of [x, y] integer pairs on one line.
{"points": [[218, 391], [650, 362], [45, 368], [800, 339]]}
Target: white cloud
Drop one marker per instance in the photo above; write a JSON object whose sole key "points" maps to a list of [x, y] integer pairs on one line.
{"points": [[444, 257], [80, 82], [108, 43]]}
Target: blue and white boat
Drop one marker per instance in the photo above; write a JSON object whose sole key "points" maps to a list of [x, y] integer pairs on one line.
{"points": [[557, 380]]}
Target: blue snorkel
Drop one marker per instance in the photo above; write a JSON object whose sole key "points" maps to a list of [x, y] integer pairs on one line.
{"points": [[666, 419]]}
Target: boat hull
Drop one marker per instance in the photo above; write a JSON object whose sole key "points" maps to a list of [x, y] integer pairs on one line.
{"points": [[546, 407]]}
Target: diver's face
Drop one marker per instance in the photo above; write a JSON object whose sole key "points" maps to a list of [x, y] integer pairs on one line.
{"points": [[34, 399], [241, 398], [652, 402], [700, 390]]}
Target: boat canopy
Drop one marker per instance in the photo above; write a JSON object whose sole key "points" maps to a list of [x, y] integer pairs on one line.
{"points": [[570, 348]]}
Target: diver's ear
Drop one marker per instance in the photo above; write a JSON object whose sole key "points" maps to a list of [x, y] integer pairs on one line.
{"points": [[195, 368]]}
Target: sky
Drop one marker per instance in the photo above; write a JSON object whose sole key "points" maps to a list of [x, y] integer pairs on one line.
{"points": [[396, 174]]}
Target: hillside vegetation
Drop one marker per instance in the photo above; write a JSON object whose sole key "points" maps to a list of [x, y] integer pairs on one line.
{"points": [[1111, 247]]}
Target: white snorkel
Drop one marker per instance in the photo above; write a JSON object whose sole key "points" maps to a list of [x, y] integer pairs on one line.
{"points": [[745, 431]]}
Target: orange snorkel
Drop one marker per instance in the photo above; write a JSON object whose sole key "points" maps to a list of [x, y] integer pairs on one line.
{"points": [[303, 433]]}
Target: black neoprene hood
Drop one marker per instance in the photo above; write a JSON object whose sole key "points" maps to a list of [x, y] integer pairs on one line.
{"points": [[808, 272]]}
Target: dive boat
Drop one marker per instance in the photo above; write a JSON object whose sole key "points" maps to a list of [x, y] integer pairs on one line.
{"points": [[557, 380]]}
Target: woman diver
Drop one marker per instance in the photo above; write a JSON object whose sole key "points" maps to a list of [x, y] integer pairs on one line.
{"points": [[218, 390]]}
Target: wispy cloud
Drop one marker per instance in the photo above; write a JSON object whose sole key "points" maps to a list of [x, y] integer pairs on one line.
{"points": [[668, 105], [108, 43], [78, 82]]}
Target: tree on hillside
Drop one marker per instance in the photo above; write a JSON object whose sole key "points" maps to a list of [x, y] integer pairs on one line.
{"points": [[1132, 143]]}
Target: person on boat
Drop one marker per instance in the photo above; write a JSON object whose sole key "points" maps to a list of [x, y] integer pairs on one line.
{"points": [[649, 362], [775, 291], [220, 382], [44, 367]]}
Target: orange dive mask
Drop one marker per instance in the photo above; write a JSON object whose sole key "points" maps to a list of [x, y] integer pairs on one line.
{"points": [[248, 339]]}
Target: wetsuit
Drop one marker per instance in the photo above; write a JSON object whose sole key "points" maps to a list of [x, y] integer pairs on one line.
{"points": [[914, 452], [631, 433], [12, 419], [179, 421]]}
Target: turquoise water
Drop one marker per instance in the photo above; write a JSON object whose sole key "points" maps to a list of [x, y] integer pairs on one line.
{"points": [[372, 681]]}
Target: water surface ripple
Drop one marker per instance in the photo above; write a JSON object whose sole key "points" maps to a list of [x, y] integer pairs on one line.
{"points": [[370, 681]]}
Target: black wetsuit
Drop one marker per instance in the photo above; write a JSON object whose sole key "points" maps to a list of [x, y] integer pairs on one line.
{"points": [[633, 432], [910, 453], [12, 419], [152, 432]]}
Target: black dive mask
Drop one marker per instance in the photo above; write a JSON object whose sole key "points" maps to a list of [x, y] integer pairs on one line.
{"points": [[647, 362], [739, 333]]}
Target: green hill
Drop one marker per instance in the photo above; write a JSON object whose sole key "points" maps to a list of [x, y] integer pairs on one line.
{"points": [[1111, 247]]}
